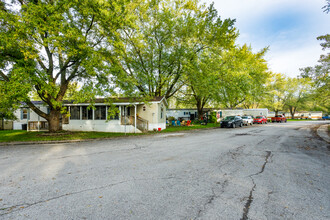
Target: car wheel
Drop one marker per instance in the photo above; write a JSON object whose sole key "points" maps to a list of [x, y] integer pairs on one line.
{"points": [[285, 121], [266, 122], [241, 125], [234, 125]]}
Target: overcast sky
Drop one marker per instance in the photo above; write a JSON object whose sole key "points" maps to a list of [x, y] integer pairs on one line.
{"points": [[288, 27]]}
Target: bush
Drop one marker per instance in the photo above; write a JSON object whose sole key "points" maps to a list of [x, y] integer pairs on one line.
{"points": [[213, 117], [170, 119], [196, 122]]}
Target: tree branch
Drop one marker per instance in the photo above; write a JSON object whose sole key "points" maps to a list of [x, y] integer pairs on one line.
{"points": [[36, 110], [5, 78]]}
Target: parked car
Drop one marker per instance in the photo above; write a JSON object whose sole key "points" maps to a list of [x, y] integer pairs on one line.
{"points": [[231, 122], [327, 117], [247, 120], [279, 118], [260, 120]]}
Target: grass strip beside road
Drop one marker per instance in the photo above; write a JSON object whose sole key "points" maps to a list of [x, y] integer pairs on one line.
{"points": [[24, 136], [296, 119]]}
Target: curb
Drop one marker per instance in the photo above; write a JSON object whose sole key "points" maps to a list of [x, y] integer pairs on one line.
{"points": [[322, 132]]}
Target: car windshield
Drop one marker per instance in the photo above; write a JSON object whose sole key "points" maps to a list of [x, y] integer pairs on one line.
{"points": [[259, 117], [229, 118], [277, 115], [245, 117]]}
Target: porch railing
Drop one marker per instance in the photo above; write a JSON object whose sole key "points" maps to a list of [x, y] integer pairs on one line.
{"points": [[33, 125], [127, 120], [141, 124]]}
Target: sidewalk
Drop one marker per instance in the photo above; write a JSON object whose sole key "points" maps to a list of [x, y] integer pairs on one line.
{"points": [[322, 131]]}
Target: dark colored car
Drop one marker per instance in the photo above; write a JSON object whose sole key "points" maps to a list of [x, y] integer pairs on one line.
{"points": [[260, 120], [327, 117], [231, 122]]}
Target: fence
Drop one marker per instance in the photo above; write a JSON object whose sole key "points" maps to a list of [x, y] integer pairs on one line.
{"points": [[6, 125], [33, 125]]}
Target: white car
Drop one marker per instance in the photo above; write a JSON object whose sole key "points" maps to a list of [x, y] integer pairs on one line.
{"points": [[247, 120]]}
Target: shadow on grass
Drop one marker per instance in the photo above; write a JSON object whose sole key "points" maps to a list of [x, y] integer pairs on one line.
{"points": [[24, 136]]}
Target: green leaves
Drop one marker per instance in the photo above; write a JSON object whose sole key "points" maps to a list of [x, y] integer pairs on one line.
{"points": [[152, 55]]}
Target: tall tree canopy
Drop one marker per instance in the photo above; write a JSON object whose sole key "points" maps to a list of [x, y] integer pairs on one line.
{"points": [[45, 45], [319, 74], [297, 92], [243, 75], [275, 97], [151, 57]]}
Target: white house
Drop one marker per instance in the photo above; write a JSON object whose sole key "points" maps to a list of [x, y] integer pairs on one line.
{"points": [[185, 114], [133, 116]]}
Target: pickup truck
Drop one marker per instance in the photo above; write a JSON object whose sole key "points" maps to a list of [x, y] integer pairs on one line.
{"points": [[279, 118]]}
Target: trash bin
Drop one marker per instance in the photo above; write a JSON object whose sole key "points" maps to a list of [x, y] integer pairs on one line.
{"points": [[24, 127]]}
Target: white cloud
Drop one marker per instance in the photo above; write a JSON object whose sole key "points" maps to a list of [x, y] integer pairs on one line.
{"points": [[289, 28], [290, 61]]}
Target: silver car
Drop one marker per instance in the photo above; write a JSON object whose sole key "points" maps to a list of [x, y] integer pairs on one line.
{"points": [[247, 120]]}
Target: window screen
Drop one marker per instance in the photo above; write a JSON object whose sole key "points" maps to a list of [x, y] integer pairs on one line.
{"points": [[86, 114], [75, 113], [100, 113]]}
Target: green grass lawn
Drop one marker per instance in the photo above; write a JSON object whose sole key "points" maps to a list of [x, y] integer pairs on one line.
{"points": [[301, 119], [23, 136], [18, 136], [191, 127]]}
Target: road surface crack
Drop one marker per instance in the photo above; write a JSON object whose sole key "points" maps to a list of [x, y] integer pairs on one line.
{"points": [[264, 165], [249, 201], [211, 199], [14, 208]]}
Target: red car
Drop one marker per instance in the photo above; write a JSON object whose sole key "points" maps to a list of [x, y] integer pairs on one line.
{"points": [[279, 118], [260, 120]]}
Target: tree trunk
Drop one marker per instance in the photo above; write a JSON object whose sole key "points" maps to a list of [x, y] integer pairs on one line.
{"points": [[54, 121], [276, 112], [292, 113], [199, 109]]}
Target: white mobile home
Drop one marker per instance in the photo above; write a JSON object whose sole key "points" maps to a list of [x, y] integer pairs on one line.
{"points": [[185, 114], [241, 112], [134, 115]]}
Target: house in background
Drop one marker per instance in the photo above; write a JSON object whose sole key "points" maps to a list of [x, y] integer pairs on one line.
{"points": [[186, 113], [134, 116], [191, 114], [317, 115], [253, 112]]}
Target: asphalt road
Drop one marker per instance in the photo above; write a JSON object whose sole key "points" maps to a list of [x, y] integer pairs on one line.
{"points": [[273, 171]]}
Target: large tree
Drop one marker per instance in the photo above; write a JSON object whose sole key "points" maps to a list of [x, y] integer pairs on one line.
{"points": [[297, 94], [319, 74], [242, 75], [201, 81], [46, 45], [275, 97], [152, 56]]}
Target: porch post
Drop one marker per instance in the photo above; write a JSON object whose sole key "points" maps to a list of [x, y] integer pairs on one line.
{"points": [[135, 118], [27, 127], [124, 117]]}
